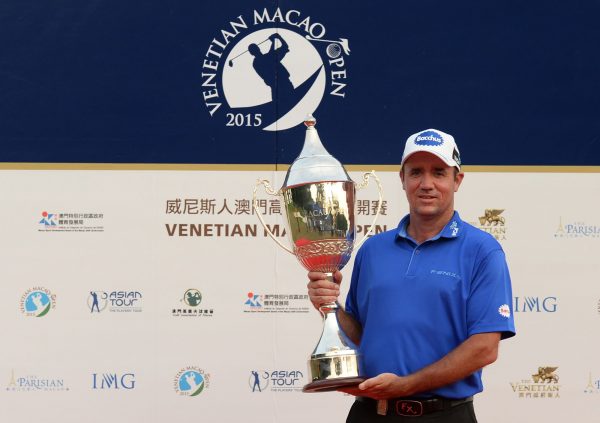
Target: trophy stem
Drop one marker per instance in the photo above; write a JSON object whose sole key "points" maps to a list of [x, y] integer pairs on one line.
{"points": [[331, 307]]}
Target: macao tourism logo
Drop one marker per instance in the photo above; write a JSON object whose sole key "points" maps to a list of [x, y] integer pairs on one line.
{"points": [[493, 223], [576, 229], [189, 305], [270, 68], [275, 380], [37, 302], [32, 382], [191, 381], [276, 303], [543, 384], [115, 301]]}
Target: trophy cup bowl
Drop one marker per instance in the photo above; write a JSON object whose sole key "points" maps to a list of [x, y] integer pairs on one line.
{"points": [[319, 203]]}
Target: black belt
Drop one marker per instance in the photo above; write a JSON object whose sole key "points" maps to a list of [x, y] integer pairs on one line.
{"points": [[413, 407]]}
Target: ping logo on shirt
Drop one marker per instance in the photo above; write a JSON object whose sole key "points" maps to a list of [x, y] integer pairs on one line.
{"points": [[429, 138], [504, 310]]}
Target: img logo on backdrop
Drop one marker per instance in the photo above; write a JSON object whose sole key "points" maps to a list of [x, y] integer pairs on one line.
{"points": [[276, 303], [269, 68], [576, 229], [189, 305], [102, 381], [191, 381], [70, 222], [31, 382], [37, 302], [535, 304], [542, 384], [276, 380]]}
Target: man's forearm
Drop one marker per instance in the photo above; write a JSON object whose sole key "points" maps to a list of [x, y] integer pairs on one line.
{"points": [[475, 353]]}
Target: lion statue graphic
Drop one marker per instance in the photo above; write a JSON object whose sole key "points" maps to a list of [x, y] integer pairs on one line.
{"points": [[545, 374], [492, 217]]}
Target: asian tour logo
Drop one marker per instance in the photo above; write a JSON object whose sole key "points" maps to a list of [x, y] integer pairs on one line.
{"points": [[115, 301], [37, 302], [276, 380], [429, 138], [271, 68], [191, 381], [97, 301]]}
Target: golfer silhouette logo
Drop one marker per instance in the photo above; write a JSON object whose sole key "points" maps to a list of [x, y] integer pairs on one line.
{"points": [[191, 383], [275, 74], [37, 304], [192, 297], [97, 301], [258, 380]]}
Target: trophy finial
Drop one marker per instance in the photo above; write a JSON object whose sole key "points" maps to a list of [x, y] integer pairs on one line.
{"points": [[310, 121]]}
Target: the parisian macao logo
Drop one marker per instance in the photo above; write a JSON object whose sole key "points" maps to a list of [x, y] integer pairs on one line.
{"points": [[576, 229], [543, 384], [270, 68], [191, 381], [33, 382], [429, 138], [37, 302], [493, 223], [593, 385]]}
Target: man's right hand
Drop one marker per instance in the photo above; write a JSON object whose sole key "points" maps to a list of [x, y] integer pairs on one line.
{"points": [[321, 290]]}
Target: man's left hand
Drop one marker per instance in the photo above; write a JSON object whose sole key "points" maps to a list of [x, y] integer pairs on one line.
{"points": [[383, 386]]}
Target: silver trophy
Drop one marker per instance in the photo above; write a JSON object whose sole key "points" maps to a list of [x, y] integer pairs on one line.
{"points": [[320, 208]]}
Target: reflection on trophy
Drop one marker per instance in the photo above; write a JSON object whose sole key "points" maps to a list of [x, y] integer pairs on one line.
{"points": [[319, 205]]}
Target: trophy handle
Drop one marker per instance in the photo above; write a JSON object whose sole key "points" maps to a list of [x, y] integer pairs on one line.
{"points": [[269, 190], [364, 184]]}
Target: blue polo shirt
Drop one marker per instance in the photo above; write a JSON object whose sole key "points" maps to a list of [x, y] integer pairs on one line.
{"points": [[416, 303]]}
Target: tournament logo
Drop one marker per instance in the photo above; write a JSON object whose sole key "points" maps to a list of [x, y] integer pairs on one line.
{"points": [[113, 381], [258, 380], [270, 68], [37, 302], [97, 301], [191, 381], [431, 138], [543, 384]]}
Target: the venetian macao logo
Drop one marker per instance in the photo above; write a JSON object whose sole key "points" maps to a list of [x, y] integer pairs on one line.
{"points": [[542, 384], [493, 223], [270, 68]]}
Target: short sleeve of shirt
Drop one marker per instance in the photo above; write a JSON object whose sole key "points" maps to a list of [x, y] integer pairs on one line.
{"points": [[489, 307], [351, 299]]}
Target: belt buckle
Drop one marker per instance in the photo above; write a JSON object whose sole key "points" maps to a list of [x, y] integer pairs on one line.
{"points": [[409, 408]]}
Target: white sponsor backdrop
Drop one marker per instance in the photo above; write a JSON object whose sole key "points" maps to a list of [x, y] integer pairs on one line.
{"points": [[550, 232]]}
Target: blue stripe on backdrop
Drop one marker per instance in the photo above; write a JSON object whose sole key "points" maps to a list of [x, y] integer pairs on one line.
{"points": [[159, 82]]}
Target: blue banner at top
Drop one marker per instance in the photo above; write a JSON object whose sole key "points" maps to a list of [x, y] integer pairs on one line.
{"points": [[230, 82]]}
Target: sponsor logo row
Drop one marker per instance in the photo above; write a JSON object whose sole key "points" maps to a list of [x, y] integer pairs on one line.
{"points": [[193, 380], [492, 221], [39, 301]]}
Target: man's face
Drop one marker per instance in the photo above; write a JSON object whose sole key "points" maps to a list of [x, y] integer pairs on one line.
{"points": [[430, 185]]}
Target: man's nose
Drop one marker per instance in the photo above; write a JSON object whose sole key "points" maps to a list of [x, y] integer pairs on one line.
{"points": [[426, 181]]}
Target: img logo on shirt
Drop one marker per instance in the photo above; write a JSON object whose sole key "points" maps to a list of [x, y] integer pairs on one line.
{"points": [[429, 138]]}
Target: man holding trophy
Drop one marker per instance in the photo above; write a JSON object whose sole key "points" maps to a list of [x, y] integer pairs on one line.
{"points": [[428, 302]]}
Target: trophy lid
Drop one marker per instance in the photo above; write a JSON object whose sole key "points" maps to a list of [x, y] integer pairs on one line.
{"points": [[314, 164]]}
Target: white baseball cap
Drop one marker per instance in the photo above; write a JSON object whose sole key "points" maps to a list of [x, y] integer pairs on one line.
{"points": [[434, 142]]}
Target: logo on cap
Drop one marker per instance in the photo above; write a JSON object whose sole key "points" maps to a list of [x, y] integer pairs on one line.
{"points": [[429, 138]]}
